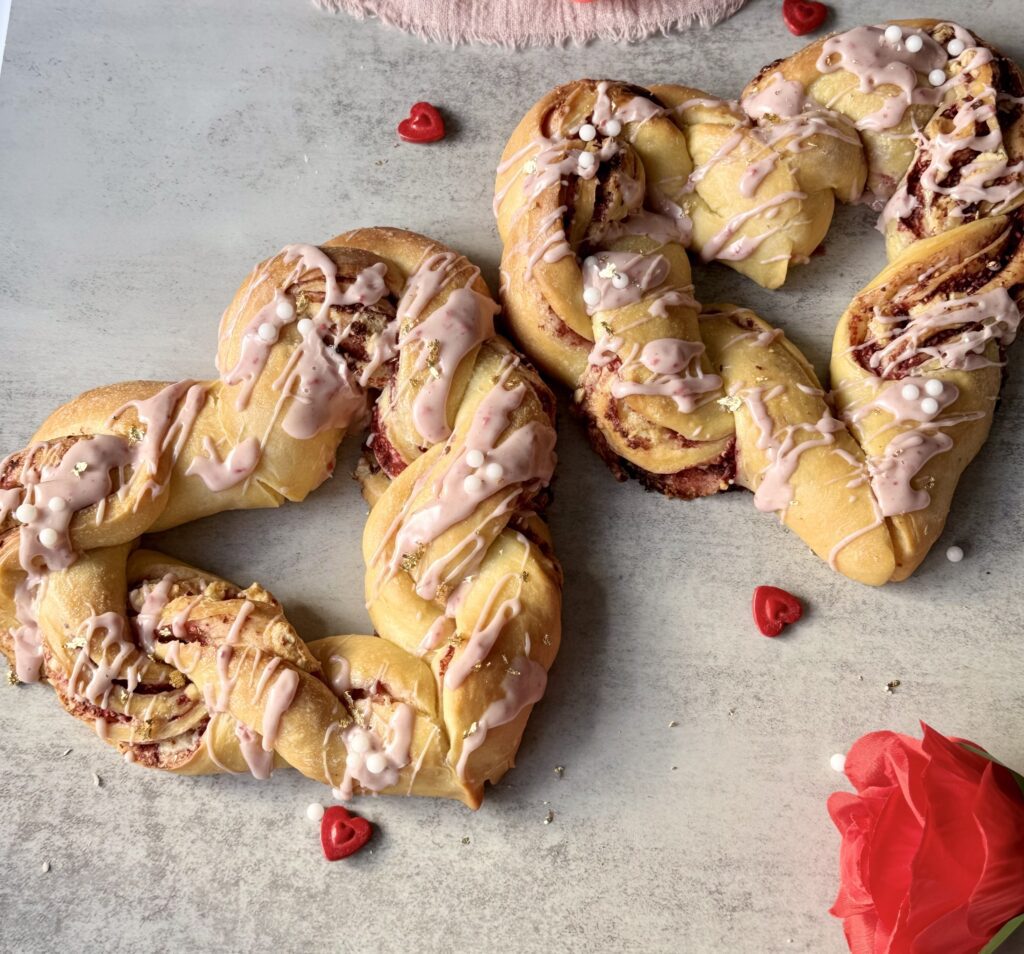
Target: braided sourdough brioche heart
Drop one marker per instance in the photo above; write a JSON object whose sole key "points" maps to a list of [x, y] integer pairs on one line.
{"points": [[603, 185], [183, 671]]}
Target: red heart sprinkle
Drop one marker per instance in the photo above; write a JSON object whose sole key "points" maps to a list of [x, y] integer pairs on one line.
{"points": [[423, 125], [342, 833], [803, 16], [774, 609]]}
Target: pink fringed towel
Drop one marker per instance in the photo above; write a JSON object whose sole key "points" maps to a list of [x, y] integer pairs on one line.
{"points": [[536, 22]]}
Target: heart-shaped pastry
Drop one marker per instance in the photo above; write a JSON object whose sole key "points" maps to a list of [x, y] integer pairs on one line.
{"points": [[774, 609], [342, 833], [803, 16], [424, 124]]}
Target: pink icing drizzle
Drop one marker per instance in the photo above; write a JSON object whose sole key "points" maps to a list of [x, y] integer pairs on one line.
{"points": [[279, 700], [892, 472], [259, 759], [676, 373], [460, 325], [525, 456], [219, 474], [522, 687], [993, 311], [641, 272]]}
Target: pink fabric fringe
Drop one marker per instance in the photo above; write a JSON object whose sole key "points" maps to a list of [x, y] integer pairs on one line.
{"points": [[536, 22]]}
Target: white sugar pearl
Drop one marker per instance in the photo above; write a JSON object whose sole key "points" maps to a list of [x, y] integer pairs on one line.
{"points": [[475, 458], [910, 392], [588, 133], [914, 43], [472, 484], [586, 160], [58, 504], [930, 406], [937, 77], [305, 326], [285, 309], [893, 33], [838, 762], [933, 387], [359, 743], [619, 280], [26, 513], [494, 472], [314, 811], [613, 127], [267, 332], [376, 763], [955, 554], [48, 537], [591, 296], [955, 47]]}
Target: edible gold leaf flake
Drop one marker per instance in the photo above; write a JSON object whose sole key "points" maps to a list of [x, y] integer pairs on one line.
{"points": [[410, 560], [12, 678], [609, 271], [135, 434], [472, 728], [177, 680], [301, 303], [456, 639], [530, 167], [77, 643], [731, 403], [80, 468], [524, 576], [433, 353], [443, 590]]}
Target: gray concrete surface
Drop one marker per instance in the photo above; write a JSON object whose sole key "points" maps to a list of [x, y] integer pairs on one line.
{"points": [[149, 154]]}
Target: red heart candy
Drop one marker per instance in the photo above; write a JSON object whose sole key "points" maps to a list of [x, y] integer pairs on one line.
{"points": [[423, 125], [343, 834], [803, 16], [774, 609]]}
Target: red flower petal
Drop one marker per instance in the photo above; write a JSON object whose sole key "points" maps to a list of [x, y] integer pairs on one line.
{"points": [[894, 844], [999, 896]]}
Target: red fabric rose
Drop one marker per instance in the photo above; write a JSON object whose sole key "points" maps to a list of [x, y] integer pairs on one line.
{"points": [[932, 857]]}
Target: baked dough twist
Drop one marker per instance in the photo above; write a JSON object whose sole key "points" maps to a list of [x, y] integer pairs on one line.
{"points": [[183, 671], [596, 195]]}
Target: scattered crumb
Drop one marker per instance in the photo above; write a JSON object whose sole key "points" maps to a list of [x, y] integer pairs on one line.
{"points": [[465, 839], [732, 712], [892, 685], [65, 752], [560, 771], [46, 867], [96, 780], [673, 724], [674, 767], [549, 817]]}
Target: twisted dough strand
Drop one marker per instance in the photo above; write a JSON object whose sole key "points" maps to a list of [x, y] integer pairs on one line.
{"points": [[183, 671]]}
